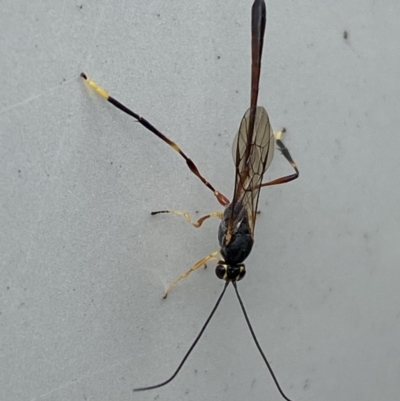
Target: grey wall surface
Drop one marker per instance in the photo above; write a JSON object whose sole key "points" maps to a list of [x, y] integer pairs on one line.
{"points": [[83, 263]]}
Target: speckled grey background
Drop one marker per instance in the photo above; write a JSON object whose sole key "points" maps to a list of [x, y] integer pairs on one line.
{"points": [[84, 265]]}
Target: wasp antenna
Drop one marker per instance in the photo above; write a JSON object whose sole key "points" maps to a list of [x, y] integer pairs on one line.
{"points": [[191, 347], [258, 345]]}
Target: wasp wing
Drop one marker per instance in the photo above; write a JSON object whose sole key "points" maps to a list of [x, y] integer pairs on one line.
{"points": [[252, 154]]}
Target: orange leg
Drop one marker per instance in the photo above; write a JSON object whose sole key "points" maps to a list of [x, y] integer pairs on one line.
{"points": [[186, 215]]}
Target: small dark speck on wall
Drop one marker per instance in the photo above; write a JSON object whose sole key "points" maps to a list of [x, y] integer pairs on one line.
{"points": [[345, 35], [306, 384]]}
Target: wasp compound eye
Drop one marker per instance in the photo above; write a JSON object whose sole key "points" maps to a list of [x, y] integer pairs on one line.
{"points": [[221, 271], [242, 272]]}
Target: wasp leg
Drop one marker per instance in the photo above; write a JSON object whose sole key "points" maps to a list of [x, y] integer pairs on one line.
{"points": [[201, 262], [192, 167], [186, 215], [285, 152]]}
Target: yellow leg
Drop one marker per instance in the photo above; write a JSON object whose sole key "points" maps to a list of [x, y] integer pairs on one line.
{"points": [[279, 134], [200, 263], [186, 215], [102, 92]]}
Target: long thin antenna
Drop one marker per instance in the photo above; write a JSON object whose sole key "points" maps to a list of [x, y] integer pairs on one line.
{"points": [[191, 347], [258, 345]]}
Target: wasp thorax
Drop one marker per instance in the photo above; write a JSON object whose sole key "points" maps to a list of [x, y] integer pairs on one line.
{"points": [[230, 273]]}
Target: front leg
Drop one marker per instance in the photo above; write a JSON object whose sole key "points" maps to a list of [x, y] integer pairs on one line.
{"points": [[201, 262]]}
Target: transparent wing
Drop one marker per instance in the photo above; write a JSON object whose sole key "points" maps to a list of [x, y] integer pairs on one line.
{"points": [[252, 154]]}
